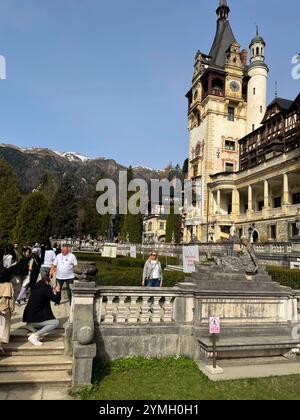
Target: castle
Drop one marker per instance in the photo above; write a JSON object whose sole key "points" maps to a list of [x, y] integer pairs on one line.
{"points": [[244, 154]]}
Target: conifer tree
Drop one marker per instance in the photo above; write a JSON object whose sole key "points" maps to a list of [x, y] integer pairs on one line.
{"points": [[10, 202], [33, 221], [173, 229], [133, 224], [64, 210]]}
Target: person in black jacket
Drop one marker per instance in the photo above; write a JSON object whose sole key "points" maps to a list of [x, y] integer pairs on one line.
{"points": [[38, 313]]}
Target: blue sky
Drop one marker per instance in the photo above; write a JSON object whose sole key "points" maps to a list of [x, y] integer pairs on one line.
{"points": [[109, 77]]}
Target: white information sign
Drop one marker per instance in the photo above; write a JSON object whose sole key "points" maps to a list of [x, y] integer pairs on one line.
{"points": [[190, 257], [110, 251]]}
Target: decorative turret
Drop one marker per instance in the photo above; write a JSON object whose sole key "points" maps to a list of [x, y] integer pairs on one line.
{"points": [[257, 85], [257, 48], [223, 10]]}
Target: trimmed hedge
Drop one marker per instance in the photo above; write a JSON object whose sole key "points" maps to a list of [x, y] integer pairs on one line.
{"points": [[285, 276], [123, 261], [131, 276]]}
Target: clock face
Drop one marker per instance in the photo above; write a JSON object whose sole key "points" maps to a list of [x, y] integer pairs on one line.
{"points": [[235, 86]]}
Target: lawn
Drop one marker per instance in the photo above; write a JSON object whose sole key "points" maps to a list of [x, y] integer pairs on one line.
{"points": [[179, 379]]}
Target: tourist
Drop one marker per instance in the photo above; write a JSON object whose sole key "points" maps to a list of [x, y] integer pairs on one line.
{"points": [[153, 274], [9, 258], [17, 253], [23, 275], [48, 258], [7, 305], [38, 314], [63, 268], [34, 268]]}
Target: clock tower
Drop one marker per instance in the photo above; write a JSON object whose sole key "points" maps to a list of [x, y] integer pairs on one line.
{"points": [[217, 119]]}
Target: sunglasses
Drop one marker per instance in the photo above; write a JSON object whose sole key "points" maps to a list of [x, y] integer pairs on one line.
{"points": [[153, 255]]}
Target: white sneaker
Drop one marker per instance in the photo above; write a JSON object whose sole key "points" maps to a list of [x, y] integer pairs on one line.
{"points": [[33, 339]]}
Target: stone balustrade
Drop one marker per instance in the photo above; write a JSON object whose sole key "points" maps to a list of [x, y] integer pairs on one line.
{"points": [[135, 305]]}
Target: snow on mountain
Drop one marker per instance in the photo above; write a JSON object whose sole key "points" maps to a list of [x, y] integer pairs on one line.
{"points": [[72, 156], [146, 168]]}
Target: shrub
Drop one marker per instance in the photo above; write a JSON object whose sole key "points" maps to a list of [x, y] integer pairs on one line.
{"points": [[285, 276]]}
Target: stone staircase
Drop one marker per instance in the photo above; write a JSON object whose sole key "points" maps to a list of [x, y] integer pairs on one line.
{"points": [[25, 364]]}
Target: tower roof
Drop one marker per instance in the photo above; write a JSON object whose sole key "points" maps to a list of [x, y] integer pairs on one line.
{"points": [[224, 37], [257, 39]]}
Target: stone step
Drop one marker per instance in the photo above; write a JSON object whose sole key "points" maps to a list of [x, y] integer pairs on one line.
{"points": [[36, 378], [22, 334], [255, 361], [37, 363], [55, 347]]}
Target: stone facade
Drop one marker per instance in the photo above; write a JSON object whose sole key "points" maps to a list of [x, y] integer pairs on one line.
{"points": [[245, 154], [226, 97]]}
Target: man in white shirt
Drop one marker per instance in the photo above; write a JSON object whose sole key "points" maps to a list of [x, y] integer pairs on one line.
{"points": [[63, 266]]}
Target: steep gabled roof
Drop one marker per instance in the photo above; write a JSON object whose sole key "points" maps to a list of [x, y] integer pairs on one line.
{"points": [[223, 40], [284, 104]]}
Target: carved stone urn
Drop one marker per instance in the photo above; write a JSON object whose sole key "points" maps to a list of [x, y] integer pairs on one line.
{"points": [[86, 271]]}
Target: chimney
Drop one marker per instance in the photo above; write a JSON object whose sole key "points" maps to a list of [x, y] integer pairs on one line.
{"points": [[244, 57]]}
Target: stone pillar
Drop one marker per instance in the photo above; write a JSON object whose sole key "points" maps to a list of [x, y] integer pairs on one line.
{"points": [[83, 329], [286, 194], [236, 202], [250, 198], [219, 202], [266, 195]]}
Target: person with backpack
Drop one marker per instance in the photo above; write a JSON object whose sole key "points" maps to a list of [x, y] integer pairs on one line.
{"points": [[7, 305]]}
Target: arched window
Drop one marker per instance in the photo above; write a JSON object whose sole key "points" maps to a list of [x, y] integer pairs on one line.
{"points": [[150, 227], [198, 149], [257, 50], [253, 51]]}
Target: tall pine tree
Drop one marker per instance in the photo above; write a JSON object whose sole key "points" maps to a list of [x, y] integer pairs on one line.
{"points": [[34, 220], [10, 202], [173, 229], [64, 210], [132, 228]]}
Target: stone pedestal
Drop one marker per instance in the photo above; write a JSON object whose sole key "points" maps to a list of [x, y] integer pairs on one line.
{"points": [[83, 356], [81, 327]]}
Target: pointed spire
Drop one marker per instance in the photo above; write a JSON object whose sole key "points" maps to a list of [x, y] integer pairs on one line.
{"points": [[257, 31], [276, 89], [223, 10]]}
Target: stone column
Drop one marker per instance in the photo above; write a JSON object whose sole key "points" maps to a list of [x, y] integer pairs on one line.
{"points": [[286, 194], [250, 198], [236, 202], [266, 195], [219, 202]]}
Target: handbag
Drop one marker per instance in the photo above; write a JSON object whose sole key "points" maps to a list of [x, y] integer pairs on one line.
{"points": [[26, 281]]}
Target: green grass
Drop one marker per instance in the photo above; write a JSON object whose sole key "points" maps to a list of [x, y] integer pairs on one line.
{"points": [[179, 379]]}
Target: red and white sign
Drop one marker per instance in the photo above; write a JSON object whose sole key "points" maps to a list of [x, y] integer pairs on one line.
{"points": [[214, 325]]}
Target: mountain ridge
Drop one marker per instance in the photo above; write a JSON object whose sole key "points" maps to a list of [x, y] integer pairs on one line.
{"points": [[32, 164]]}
